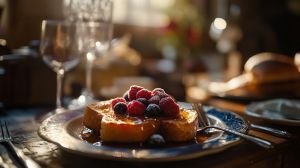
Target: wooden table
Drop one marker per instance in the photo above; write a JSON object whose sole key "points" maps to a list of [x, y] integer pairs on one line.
{"points": [[23, 125]]}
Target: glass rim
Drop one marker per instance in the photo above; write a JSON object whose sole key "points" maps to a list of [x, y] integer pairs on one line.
{"points": [[53, 21], [67, 22]]}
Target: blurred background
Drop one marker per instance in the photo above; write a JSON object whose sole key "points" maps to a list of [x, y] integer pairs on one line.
{"points": [[172, 44]]}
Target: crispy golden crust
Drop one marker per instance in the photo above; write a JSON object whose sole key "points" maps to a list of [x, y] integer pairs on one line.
{"points": [[119, 128]]}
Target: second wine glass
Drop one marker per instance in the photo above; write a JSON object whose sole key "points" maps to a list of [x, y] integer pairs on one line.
{"points": [[95, 38], [95, 18]]}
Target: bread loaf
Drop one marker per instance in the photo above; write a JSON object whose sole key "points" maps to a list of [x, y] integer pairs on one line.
{"points": [[270, 67]]}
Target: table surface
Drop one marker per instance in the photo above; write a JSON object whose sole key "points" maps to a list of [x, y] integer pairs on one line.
{"points": [[23, 126]]}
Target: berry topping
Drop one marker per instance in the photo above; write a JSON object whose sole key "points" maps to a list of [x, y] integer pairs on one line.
{"points": [[135, 108], [153, 110], [132, 91], [141, 101], [144, 93], [156, 140], [154, 100], [120, 108], [169, 107], [116, 100], [144, 101], [125, 96]]}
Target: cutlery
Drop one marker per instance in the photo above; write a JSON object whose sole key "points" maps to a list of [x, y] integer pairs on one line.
{"points": [[269, 130], [23, 160], [205, 124]]}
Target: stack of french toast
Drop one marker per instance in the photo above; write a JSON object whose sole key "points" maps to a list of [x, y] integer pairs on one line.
{"points": [[138, 115]]}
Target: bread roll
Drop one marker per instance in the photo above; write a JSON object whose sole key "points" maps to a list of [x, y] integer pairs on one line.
{"points": [[270, 67]]}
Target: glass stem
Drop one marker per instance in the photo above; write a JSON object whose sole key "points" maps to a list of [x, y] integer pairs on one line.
{"points": [[60, 74], [89, 68]]}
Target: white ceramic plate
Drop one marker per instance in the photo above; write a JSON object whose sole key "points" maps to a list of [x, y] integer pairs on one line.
{"points": [[262, 110]]}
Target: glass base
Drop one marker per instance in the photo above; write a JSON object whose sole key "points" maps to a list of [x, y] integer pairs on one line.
{"points": [[84, 99], [42, 117]]}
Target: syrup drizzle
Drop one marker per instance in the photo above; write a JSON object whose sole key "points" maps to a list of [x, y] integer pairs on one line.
{"points": [[92, 137]]}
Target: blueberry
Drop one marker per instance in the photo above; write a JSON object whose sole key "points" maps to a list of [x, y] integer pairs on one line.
{"points": [[126, 97], [120, 108], [156, 140], [153, 110], [144, 101]]}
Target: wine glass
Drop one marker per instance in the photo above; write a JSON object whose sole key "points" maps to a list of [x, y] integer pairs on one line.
{"points": [[96, 28], [60, 51]]}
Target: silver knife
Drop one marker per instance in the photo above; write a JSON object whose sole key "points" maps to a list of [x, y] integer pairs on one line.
{"points": [[272, 131]]}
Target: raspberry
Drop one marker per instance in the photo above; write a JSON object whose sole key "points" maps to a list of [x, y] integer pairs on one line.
{"points": [[132, 92], [154, 100], [135, 108], [154, 91], [144, 101], [162, 95], [144, 93], [160, 92], [153, 110], [116, 100], [120, 108], [169, 107]]}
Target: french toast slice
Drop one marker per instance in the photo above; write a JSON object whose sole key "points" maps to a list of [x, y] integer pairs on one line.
{"points": [[119, 128], [94, 113], [115, 128], [182, 128]]}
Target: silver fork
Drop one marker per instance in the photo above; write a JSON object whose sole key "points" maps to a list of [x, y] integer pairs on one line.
{"points": [[23, 160], [205, 124]]}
